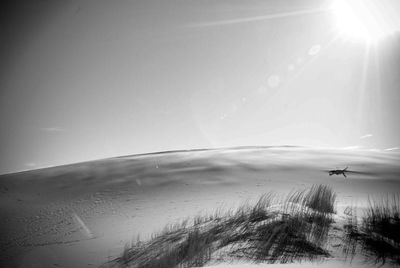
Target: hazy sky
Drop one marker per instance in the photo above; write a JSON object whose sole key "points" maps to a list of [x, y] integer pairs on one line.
{"points": [[83, 80]]}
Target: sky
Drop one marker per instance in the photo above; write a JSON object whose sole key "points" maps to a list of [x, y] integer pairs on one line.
{"points": [[84, 80]]}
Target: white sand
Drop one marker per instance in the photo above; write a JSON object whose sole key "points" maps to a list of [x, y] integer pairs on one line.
{"points": [[82, 215]]}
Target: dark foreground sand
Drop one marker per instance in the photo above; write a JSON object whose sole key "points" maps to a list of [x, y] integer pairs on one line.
{"points": [[83, 215]]}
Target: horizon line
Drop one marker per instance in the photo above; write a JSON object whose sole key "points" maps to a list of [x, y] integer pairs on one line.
{"points": [[191, 150]]}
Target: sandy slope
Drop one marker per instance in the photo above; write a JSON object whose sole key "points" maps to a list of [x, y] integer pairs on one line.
{"points": [[82, 215]]}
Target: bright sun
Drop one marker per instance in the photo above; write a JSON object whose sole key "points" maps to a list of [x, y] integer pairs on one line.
{"points": [[367, 20]]}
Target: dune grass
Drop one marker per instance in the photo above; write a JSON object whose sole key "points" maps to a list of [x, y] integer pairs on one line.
{"points": [[269, 231], [378, 232]]}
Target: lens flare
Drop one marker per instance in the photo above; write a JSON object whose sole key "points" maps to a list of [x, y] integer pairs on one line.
{"points": [[368, 20]]}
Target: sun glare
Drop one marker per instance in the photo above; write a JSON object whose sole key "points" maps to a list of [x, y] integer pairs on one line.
{"points": [[367, 20]]}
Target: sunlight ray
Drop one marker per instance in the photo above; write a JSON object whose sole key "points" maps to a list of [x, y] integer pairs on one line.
{"points": [[377, 72], [258, 18], [363, 85]]}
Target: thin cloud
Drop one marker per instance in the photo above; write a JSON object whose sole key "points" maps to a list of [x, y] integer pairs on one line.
{"points": [[392, 149], [351, 147], [366, 136], [52, 129]]}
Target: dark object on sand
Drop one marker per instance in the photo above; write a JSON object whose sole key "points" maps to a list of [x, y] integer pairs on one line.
{"points": [[338, 172]]}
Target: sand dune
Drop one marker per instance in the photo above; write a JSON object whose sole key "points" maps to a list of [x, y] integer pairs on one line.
{"points": [[82, 215]]}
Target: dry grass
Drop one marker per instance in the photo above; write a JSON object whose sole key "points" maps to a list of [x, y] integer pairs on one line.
{"points": [[268, 231], [378, 232]]}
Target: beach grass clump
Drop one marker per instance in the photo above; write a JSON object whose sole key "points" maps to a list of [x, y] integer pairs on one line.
{"points": [[383, 218], [320, 198], [268, 231], [378, 232], [381, 228]]}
